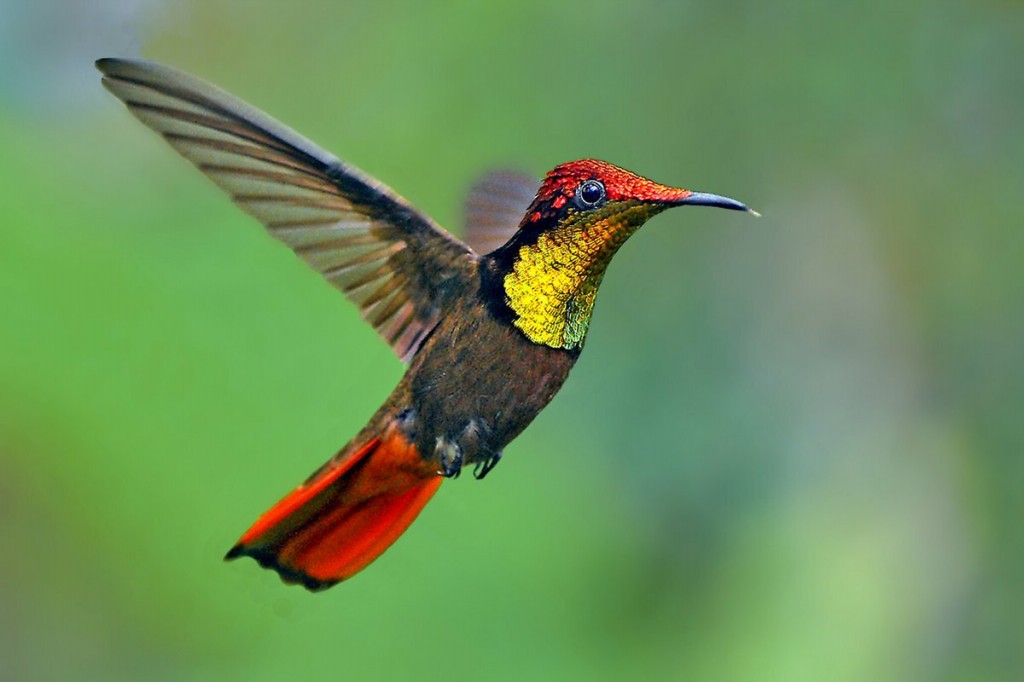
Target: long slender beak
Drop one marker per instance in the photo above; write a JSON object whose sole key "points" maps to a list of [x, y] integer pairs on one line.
{"points": [[706, 199]]}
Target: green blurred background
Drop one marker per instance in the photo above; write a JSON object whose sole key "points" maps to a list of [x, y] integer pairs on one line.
{"points": [[792, 450]]}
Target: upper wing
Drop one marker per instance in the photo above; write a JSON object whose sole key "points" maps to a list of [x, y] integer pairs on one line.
{"points": [[495, 206], [395, 263]]}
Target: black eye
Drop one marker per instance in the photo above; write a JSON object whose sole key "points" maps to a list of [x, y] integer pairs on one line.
{"points": [[589, 194]]}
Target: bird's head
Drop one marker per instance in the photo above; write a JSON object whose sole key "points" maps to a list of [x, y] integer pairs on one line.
{"points": [[584, 211]]}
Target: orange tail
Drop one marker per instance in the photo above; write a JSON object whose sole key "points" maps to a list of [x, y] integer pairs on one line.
{"points": [[345, 516]]}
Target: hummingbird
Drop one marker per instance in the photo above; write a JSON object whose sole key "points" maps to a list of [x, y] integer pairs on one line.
{"points": [[489, 332]]}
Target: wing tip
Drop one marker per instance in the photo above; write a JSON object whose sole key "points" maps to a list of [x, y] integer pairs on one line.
{"points": [[117, 70], [111, 66]]}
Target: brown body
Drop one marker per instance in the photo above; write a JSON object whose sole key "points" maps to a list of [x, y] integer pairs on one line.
{"points": [[473, 386]]}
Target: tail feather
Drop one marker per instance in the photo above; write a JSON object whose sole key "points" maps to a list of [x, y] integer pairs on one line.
{"points": [[345, 516]]}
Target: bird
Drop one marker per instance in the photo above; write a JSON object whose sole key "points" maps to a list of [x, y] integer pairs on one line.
{"points": [[488, 334]]}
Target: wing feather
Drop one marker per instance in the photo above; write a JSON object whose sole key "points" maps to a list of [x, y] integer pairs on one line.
{"points": [[494, 207], [391, 260]]}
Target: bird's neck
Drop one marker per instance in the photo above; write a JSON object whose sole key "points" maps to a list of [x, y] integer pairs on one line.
{"points": [[551, 277]]}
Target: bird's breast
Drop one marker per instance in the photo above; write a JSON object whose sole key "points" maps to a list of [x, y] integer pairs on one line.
{"points": [[478, 381]]}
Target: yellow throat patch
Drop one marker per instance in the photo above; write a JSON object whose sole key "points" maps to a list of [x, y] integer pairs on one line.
{"points": [[553, 283]]}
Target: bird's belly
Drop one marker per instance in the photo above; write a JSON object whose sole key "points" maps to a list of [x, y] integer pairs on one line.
{"points": [[480, 384]]}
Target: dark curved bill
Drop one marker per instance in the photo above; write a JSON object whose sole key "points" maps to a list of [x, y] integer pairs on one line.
{"points": [[706, 199]]}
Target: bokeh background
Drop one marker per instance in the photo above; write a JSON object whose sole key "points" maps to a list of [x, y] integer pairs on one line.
{"points": [[792, 450]]}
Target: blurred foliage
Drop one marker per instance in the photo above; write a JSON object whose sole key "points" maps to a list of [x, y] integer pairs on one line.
{"points": [[792, 450]]}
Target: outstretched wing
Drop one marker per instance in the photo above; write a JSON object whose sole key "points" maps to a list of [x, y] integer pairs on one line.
{"points": [[495, 205], [393, 261]]}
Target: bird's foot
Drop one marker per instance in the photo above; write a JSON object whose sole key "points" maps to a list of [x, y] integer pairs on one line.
{"points": [[450, 456], [484, 467]]}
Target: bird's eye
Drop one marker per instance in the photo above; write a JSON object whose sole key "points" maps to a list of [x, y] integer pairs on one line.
{"points": [[589, 194]]}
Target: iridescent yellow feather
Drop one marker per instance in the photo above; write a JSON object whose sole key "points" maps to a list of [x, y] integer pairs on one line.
{"points": [[553, 282]]}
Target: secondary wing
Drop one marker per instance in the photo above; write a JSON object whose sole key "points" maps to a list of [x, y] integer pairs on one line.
{"points": [[495, 206]]}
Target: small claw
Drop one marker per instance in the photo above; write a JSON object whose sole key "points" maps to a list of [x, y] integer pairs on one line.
{"points": [[483, 468]]}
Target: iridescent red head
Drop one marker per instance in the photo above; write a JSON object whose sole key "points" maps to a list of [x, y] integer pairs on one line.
{"points": [[590, 183]]}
